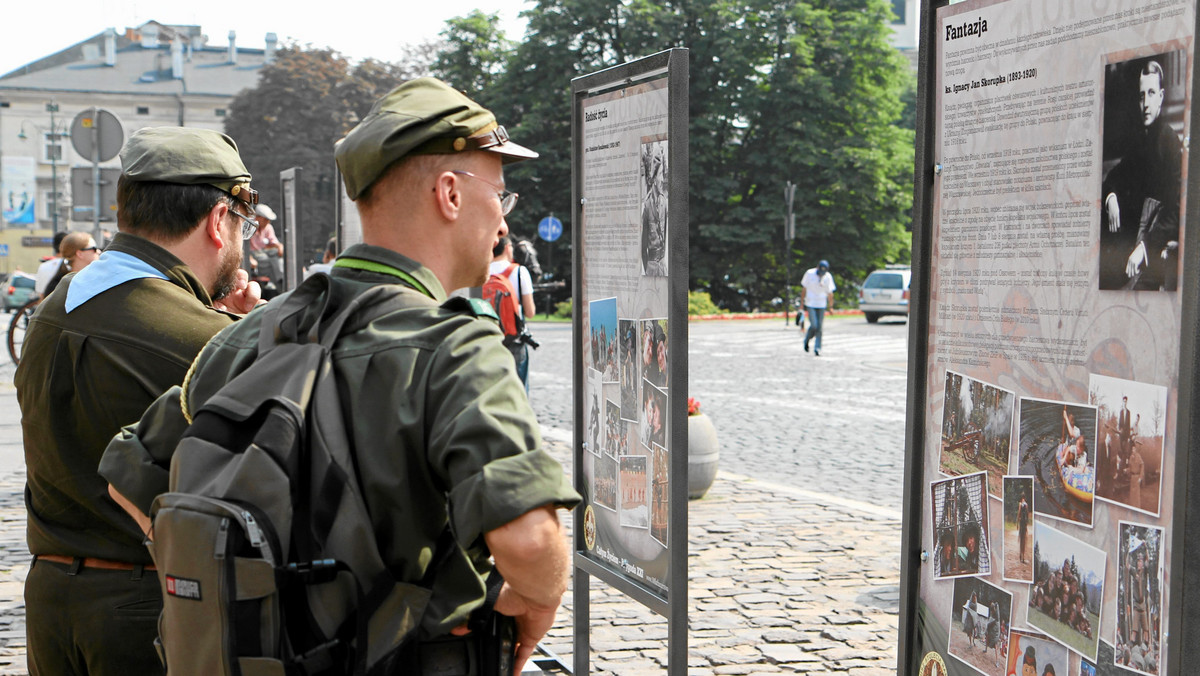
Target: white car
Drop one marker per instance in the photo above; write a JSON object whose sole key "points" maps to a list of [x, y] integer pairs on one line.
{"points": [[885, 292]]}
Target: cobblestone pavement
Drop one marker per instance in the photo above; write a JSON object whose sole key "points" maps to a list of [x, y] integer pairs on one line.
{"points": [[786, 574]]}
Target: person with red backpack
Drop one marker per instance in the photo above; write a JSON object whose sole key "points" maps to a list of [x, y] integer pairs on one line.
{"points": [[510, 291]]}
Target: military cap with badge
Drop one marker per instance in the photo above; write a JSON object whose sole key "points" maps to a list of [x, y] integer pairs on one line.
{"points": [[424, 116], [187, 156]]}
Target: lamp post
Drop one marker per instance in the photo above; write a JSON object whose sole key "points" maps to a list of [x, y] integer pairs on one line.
{"points": [[55, 153], [789, 234]]}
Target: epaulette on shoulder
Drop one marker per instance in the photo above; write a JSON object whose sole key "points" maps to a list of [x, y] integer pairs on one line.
{"points": [[476, 307]]}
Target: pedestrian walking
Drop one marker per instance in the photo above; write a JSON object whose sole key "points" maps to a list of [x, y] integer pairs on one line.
{"points": [[818, 297]]}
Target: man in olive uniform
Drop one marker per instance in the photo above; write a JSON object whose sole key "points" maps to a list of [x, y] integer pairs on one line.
{"points": [[441, 429], [112, 338]]}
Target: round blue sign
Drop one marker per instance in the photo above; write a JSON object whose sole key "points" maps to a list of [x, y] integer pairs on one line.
{"points": [[550, 228]]}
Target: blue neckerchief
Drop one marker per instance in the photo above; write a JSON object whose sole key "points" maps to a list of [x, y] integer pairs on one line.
{"points": [[112, 269]]}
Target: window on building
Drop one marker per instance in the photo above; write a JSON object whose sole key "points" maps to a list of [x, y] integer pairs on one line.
{"points": [[898, 7], [143, 110], [49, 201], [52, 147], [220, 112]]}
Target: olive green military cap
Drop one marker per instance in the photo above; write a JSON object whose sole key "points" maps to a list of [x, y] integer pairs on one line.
{"points": [[188, 156], [420, 117]]}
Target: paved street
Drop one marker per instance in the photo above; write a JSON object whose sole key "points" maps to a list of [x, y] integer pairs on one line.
{"points": [[794, 554]]}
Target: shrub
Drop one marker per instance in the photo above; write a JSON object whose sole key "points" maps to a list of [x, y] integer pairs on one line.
{"points": [[563, 310], [701, 303]]}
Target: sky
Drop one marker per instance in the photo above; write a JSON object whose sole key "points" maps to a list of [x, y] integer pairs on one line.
{"points": [[320, 24]]}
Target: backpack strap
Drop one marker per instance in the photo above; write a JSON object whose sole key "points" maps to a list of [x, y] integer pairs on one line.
{"points": [[292, 321]]}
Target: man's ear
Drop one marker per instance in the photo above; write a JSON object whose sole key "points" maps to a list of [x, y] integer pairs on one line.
{"points": [[447, 189], [214, 222]]}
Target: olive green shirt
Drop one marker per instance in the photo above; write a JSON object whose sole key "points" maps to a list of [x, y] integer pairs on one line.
{"points": [[440, 427], [83, 375]]}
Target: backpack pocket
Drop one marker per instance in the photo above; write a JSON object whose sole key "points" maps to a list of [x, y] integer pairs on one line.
{"points": [[220, 592]]}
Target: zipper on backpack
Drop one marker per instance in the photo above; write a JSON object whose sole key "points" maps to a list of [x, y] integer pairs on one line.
{"points": [[256, 536], [222, 539]]}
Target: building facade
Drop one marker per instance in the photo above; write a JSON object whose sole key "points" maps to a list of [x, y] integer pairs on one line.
{"points": [[152, 75]]}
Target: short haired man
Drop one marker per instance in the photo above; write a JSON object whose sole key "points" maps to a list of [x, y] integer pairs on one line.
{"points": [[1139, 247], [818, 297], [98, 351], [441, 431], [522, 284]]}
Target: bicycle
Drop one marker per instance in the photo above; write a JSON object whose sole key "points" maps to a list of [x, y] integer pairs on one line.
{"points": [[16, 328]]}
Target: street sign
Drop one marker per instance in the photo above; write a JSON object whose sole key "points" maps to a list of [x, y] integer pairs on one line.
{"points": [[550, 228], [3, 250], [84, 195], [97, 127]]}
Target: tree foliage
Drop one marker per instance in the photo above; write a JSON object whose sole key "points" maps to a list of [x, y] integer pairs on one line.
{"points": [[306, 100], [478, 68], [809, 92]]}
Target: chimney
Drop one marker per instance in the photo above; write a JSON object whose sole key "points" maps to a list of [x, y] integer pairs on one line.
{"points": [[198, 41], [272, 41], [110, 47], [232, 46], [149, 36], [177, 58]]}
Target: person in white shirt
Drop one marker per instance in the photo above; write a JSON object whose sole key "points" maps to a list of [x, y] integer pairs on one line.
{"points": [[522, 283], [49, 267], [818, 297]]}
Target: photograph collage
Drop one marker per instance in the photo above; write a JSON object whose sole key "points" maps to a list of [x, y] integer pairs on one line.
{"points": [[626, 432], [1051, 468]]}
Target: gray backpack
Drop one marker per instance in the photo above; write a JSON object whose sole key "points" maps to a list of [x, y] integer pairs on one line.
{"points": [[264, 546]]}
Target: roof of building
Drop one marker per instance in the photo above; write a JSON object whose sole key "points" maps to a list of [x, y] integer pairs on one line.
{"points": [[142, 68]]}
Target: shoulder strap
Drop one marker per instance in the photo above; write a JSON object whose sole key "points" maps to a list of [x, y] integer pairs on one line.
{"points": [[288, 322], [514, 265]]}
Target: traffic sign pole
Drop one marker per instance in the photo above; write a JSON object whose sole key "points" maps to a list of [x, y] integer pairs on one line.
{"points": [[549, 229], [98, 134], [96, 175]]}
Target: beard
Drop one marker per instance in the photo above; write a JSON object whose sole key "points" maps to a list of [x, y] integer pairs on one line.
{"points": [[231, 261]]}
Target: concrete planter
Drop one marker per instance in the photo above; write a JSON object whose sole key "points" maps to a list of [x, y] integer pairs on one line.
{"points": [[703, 453]]}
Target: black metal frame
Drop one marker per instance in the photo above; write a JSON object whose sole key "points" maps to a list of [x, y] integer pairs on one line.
{"points": [[1182, 633], [673, 64], [907, 659]]}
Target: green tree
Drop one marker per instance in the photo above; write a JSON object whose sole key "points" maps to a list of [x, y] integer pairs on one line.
{"points": [[480, 55], [306, 100], [802, 91]]}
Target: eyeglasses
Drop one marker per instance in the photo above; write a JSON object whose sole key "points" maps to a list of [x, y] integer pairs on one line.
{"points": [[90, 248], [249, 225], [508, 199]]}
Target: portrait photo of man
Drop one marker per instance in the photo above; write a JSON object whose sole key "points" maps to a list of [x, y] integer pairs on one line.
{"points": [[1142, 165]]}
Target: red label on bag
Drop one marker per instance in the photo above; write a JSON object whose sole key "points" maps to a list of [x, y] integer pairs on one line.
{"points": [[181, 587]]}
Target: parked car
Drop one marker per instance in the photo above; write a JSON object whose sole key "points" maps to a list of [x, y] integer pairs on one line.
{"points": [[19, 291], [885, 292]]}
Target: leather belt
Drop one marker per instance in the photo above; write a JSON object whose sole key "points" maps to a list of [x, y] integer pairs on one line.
{"points": [[89, 562]]}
